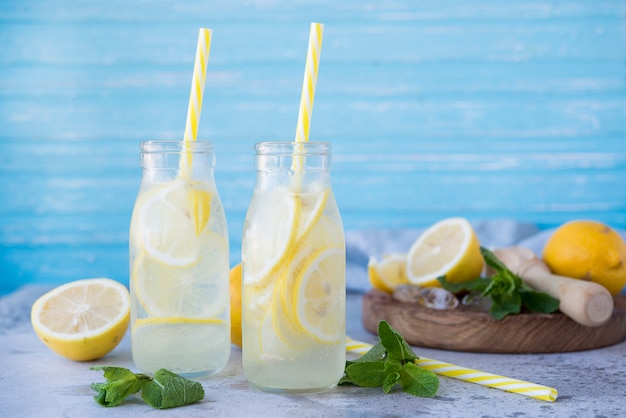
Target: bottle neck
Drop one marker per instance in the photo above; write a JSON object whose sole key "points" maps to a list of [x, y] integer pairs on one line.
{"points": [[166, 160], [300, 166]]}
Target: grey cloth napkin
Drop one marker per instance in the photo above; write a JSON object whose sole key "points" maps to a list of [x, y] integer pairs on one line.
{"points": [[361, 245]]}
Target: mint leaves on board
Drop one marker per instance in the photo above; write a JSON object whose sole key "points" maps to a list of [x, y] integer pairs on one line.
{"points": [[165, 390], [388, 363], [507, 290]]}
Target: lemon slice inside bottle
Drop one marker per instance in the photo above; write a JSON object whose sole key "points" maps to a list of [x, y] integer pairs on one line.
{"points": [[196, 291], [319, 298], [181, 266], [272, 233], [172, 218]]}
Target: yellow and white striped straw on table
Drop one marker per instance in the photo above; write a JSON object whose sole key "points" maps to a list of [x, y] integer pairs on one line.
{"points": [[310, 81], [507, 384]]}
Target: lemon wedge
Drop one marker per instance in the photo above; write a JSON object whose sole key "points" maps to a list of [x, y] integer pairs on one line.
{"points": [[82, 320], [388, 273], [201, 204], [448, 248]]}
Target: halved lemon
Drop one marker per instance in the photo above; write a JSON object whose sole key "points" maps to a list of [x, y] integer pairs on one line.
{"points": [[82, 320], [388, 273], [448, 248], [320, 294]]}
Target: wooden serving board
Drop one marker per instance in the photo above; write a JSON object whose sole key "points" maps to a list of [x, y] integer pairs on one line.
{"points": [[464, 329]]}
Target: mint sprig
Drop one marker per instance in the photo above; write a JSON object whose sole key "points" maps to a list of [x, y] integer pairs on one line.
{"points": [[120, 384], [165, 390], [389, 363], [507, 290]]}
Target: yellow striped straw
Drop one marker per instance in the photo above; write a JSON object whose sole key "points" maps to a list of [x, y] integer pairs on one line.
{"points": [[507, 384], [197, 88], [310, 81]]}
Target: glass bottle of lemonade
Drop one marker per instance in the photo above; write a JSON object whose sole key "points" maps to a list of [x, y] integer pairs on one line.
{"points": [[293, 264], [179, 264]]}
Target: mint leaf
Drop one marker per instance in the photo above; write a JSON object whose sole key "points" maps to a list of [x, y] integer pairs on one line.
{"points": [[539, 301], [397, 348], [477, 285], [417, 381], [493, 261], [392, 375], [376, 353], [120, 384], [166, 390], [169, 390], [505, 304], [388, 363], [367, 374]]}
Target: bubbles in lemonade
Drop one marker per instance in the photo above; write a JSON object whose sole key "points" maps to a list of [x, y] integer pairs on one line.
{"points": [[179, 278], [293, 256]]}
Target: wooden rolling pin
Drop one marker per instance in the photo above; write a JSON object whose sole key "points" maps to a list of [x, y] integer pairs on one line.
{"points": [[587, 303]]}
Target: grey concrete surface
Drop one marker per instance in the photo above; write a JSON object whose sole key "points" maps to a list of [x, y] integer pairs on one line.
{"points": [[35, 382]]}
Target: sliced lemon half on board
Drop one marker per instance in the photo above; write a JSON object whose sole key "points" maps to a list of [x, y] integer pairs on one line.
{"points": [[82, 320], [448, 248]]}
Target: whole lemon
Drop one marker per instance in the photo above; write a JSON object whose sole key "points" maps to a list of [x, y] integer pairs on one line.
{"points": [[588, 250], [235, 305]]}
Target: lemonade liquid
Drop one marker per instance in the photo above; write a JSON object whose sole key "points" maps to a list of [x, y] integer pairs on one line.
{"points": [[179, 263], [293, 268]]}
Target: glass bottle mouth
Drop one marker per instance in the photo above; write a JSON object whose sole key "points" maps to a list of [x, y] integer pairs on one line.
{"points": [[173, 154], [280, 148], [176, 147]]}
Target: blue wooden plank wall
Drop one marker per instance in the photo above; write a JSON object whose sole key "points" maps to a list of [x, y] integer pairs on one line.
{"points": [[485, 109]]}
